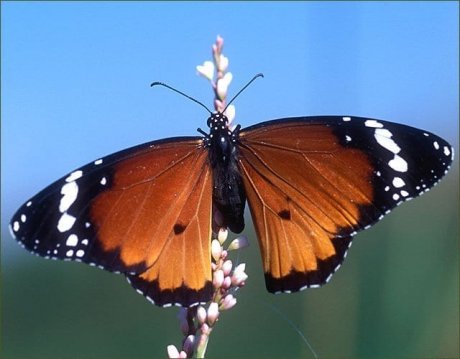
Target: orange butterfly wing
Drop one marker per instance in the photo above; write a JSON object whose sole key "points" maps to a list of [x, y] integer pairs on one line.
{"points": [[144, 211], [149, 219], [304, 199]]}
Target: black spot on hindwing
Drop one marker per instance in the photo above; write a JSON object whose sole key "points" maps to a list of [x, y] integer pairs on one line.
{"points": [[285, 214], [179, 228]]}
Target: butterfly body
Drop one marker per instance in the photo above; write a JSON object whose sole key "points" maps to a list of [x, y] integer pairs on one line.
{"points": [[311, 184], [229, 196]]}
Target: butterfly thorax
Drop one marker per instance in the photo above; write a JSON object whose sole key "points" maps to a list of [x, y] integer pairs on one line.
{"points": [[228, 193]]}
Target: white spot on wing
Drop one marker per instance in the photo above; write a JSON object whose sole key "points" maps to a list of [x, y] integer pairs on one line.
{"points": [[28, 204], [436, 145], [346, 119], [103, 181], [404, 193], [396, 196], [23, 218], [98, 162], [85, 242], [398, 164], [70, 193], [373, 123], [383, 137], [65, 222], [398, 182], [72, 240], [80, 253], [446, 151], [16, 226], [151, 300], [69, 253], [347, 138], [74, 176]]}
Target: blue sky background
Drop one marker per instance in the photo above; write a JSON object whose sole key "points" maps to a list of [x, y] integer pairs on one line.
{"points": [[75, 75]]}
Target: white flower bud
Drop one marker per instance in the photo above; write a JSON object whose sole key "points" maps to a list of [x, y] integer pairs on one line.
{"points": [[216, 249], [172, 352], [213, 313], [201, 314], [228, 302], [223, 63], [227, 267], [218, 278], [230, 113], [222, 235], [238, 243], [206, 70], [222, 85], [239, 276]]}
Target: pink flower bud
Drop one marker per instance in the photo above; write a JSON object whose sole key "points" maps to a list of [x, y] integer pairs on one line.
{"points": [[227, 267], [201, 314], [205, 330], [216, 249], [227, 282], [228, 302], [218, 278], [213, 313], [219, 106], [219, 42]]}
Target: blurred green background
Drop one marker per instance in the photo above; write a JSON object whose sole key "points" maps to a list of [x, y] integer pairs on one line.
{"points": [[75, 86]]}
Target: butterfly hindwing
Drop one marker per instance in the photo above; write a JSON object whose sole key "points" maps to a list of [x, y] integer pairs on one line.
{"points": [[312, 183], [132, 212]]}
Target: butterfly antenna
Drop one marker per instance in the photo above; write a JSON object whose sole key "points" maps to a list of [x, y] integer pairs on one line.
{"points": [[157, 83], [244, 88]]}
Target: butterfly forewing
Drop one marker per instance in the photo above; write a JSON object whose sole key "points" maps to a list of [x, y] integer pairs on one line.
{"points": [[312, 183], [135, 212]]}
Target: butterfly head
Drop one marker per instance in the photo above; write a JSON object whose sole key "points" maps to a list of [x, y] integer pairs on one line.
{"points": [[217, 121]]}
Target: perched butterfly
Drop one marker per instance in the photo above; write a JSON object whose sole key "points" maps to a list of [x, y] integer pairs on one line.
{"points": [[311, 184]]}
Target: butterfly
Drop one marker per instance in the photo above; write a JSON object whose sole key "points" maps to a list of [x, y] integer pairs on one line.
{"points": [[311, 184]]}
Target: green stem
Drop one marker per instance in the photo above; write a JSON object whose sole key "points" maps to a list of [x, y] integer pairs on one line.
{"points": [[202, 344]]}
